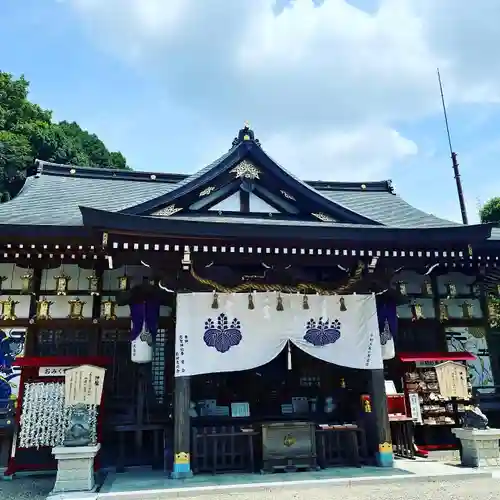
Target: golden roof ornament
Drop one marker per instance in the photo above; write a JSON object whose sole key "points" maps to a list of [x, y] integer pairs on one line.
{"points": [[246, 126], [246, 170], [168, 211], [208, 190], [323, 217], [76, 309], [8, 309]]}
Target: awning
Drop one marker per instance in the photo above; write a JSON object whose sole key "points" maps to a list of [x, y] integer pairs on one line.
{"points": [[409, 357]]}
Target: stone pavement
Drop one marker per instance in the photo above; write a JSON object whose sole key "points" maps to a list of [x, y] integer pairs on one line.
{"points": [[423, 480]]}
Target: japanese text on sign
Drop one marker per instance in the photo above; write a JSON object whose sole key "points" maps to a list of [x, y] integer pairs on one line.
{"points": [[84, 385]]}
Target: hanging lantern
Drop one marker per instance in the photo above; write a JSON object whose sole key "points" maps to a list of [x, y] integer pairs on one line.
{"points": [[27, 283], [62, 281], [402, 287], [108, 309], [443, 311], [466, 310], [417, 312], [43, 309], [8, 309], [493, 315], [427, 288], [141, 350], [2, 279], [76, 308], [124, 283], [93, 284], [451, 289]]}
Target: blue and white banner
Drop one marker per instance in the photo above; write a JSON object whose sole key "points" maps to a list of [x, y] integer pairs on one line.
{"points": [[233, 332], [388, 324]]}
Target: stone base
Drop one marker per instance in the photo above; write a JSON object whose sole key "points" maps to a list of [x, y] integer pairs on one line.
{"points": [[480, 448], [75, 468]]}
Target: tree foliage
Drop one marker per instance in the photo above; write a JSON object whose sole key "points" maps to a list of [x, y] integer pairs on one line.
{"points": [[490, 212], [27, 132]]}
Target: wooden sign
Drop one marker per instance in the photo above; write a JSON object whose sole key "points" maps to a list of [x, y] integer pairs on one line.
{"points": [[415, 409], [84, 385], [52, 371], [452, 378]]}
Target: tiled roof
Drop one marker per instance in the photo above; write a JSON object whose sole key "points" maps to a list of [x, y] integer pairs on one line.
{"points": [[387, 208], [54, 196]]}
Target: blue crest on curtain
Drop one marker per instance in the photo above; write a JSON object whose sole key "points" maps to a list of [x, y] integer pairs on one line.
{"points": [[145, 314]]}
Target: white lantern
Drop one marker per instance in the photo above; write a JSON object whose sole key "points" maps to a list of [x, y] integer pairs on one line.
{"points": [[142, 348]]}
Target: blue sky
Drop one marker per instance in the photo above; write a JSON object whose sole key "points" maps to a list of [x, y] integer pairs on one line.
{"points": [[344, 90]]}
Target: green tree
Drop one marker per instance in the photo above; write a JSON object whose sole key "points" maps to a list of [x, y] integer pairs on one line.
{"points": [[27, 132], [490, 212], [15, 154]]}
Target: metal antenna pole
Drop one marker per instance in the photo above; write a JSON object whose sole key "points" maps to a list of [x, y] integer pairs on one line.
{"points": [[454, 161]]}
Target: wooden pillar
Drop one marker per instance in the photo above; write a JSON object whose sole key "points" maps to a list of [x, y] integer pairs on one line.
{"points": [[95, 340], [31, 341], [381, 427], [182, 428]]}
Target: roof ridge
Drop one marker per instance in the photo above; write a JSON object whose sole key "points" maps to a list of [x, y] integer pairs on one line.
{"points": [[383, 185], [68, 170]]}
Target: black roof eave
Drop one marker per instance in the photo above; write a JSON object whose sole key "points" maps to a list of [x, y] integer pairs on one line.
{"points": [[397, 237], [249, 149]]}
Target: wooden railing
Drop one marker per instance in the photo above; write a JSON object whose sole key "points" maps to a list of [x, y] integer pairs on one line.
{"points": [[222, 449]]}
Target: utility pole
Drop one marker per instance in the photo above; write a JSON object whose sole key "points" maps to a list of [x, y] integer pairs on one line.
{"points": [[454, 161]]}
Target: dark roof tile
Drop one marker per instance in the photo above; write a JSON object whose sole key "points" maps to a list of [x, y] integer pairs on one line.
{"points": [[54, 196]]}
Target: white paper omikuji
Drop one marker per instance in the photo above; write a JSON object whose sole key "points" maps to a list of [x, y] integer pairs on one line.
{"points": [[45, 418]]}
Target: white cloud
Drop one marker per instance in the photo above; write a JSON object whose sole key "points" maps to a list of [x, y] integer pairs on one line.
{"points": [[362, 154], [328, 83]]}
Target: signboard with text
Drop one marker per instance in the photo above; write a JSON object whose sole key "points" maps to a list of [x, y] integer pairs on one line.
{"points": [[84, 385]]}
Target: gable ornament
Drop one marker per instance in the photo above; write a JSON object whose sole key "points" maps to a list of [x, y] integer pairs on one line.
{"points": [[246, 170], [323, 217], [168, 211]]}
